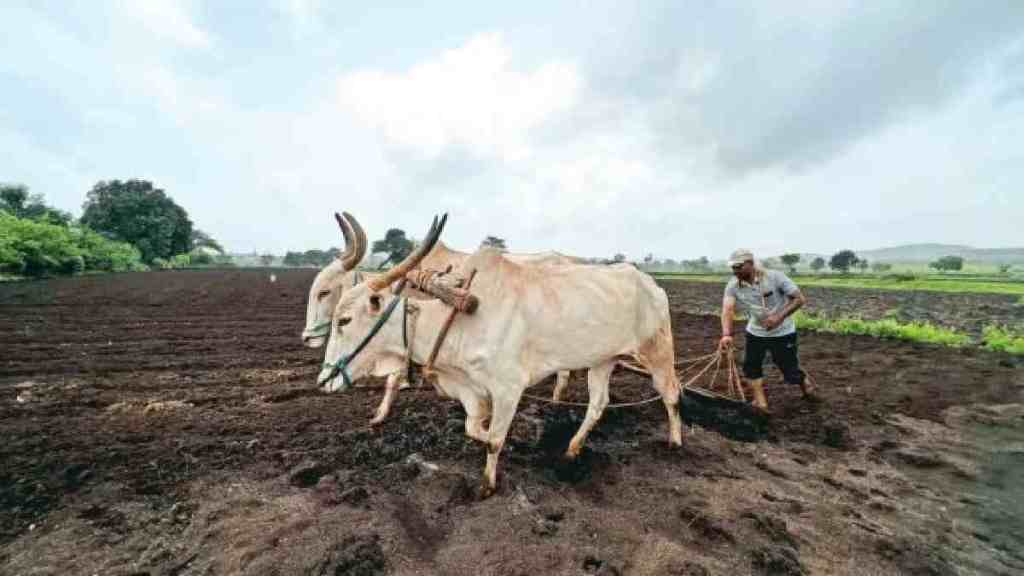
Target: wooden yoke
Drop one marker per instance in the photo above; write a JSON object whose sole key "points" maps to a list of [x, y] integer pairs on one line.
{"points": [[456, 296], [452, 290]]}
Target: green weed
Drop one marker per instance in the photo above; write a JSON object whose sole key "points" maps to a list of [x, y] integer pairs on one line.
{"points": [[886, 328], [1001, 339]]}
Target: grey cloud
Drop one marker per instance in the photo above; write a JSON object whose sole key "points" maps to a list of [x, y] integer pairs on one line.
{"points": [[453, 166], [799, 95]]}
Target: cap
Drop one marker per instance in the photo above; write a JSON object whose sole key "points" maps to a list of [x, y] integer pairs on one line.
{"points": [[740, 256]]}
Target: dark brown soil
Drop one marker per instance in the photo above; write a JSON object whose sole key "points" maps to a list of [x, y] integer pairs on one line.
{"points": [[167, 423]]}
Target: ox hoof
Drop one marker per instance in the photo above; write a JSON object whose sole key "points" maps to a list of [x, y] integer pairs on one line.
{"points": [[676, 440], [486, 490]]}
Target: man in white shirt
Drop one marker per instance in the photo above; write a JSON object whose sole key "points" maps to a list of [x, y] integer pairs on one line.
{"points": [[770, 298]]}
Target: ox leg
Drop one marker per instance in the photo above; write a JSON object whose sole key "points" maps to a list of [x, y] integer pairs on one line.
{"points": [[667, 384], [504, 409], [390, 393], [478, 409], [658, 356], [561, 383], [597, 382]]}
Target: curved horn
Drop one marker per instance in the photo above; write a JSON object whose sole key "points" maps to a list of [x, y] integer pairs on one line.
{"points": [[360, 236], [347, 259], [412, 260]]}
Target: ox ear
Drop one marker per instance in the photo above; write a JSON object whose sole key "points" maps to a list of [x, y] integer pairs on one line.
{"points": [[374, 304]]}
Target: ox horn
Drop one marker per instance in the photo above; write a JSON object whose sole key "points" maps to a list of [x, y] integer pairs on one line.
{"points": [[347, 259], [360, 236], [412, 260]]}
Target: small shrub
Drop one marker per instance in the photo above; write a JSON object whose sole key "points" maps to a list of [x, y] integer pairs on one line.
{"points": [[200, 258], [107, 255], [37, 248], [902, 277], [181, 261]]}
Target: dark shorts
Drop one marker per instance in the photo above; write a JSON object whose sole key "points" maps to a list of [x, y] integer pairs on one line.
{"points": [[784, 355]]}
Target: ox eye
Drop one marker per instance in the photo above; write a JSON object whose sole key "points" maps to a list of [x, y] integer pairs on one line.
{"points": [[343, 322], [323, 294]]}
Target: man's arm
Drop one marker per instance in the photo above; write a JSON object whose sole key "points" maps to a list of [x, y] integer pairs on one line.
{"points": [[796, 301], [728, 311]]}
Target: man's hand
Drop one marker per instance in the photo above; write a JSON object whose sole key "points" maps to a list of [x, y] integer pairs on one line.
{"points": [[772, 321], [725, 343]]}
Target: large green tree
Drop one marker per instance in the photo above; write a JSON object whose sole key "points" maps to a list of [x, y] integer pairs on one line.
{"points": [[790, 260], [136, 212], [842, 261]]}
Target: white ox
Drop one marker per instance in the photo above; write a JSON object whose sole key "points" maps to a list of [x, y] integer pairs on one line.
{"points": [[340, 275], [530, 323]]}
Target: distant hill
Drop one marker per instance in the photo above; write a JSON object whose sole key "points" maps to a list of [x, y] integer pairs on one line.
{"points": [[931, 252], [924, 253]]}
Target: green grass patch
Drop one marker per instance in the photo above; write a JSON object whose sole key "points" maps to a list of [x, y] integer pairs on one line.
{"points": [[1001, 339], [886, 328], [931, 283]]}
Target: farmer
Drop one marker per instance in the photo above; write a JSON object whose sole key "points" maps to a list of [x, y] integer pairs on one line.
{"points": [[770, 298]]}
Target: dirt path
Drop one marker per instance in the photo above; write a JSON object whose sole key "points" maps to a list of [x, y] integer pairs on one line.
{"points": [[166, 423]]}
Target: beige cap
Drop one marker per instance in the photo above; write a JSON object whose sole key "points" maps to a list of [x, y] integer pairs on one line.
{"points": [[740, 256]]}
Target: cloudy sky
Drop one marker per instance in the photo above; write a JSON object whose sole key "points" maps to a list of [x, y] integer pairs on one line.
{"points": [[586, 127]]}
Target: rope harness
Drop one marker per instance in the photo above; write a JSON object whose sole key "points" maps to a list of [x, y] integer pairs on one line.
{"points": [[690, 364], [341, 366]]}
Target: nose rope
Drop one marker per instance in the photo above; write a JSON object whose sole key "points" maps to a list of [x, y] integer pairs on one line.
{"points": [[342, 364]]}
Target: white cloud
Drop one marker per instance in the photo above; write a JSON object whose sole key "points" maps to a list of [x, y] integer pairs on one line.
{"points": [[303, 14], [183, 99], [469, 96], [169, 19]]}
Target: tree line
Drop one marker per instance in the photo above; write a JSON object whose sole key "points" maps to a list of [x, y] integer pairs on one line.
{"points": [[125, 225], [842, 262]]}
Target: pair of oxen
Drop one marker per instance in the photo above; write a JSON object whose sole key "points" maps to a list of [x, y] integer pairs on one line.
{"points": [[537, 315]]}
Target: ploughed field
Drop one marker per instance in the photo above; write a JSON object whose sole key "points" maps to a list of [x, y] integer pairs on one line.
{"points": [[168, 423]]}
